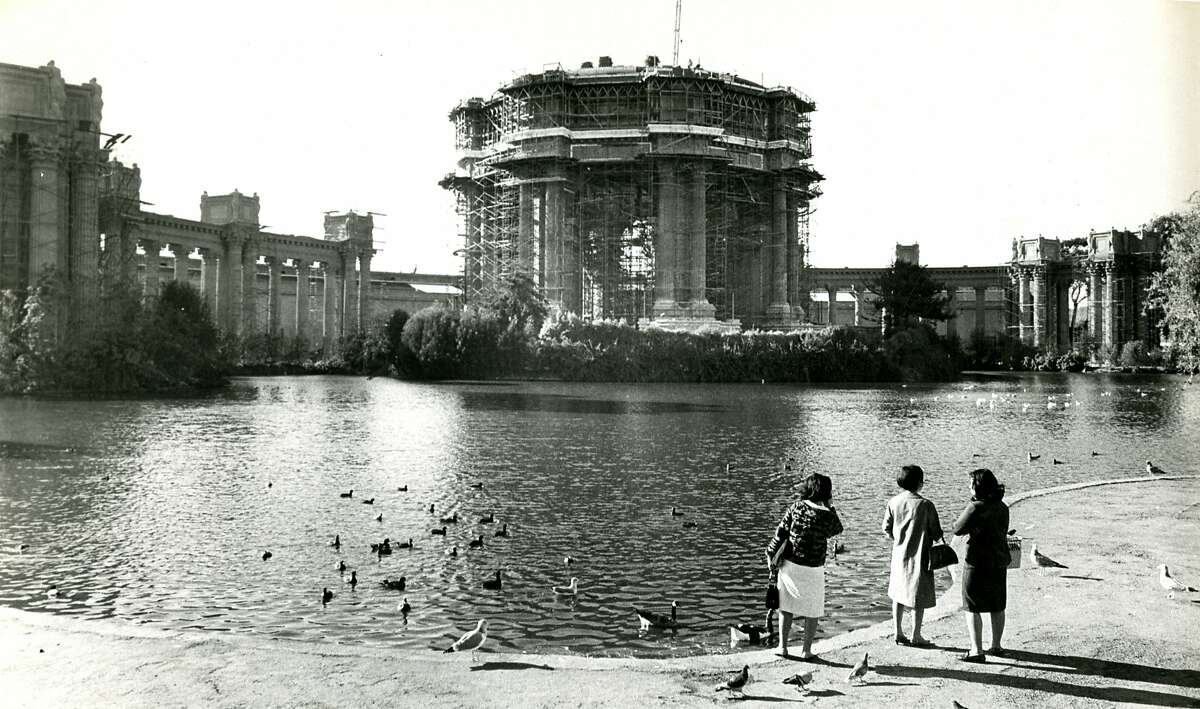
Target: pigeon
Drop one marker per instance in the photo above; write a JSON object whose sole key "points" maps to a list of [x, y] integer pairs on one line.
{"points": [[404, 608], [476, 543], [860, 670], [347, 494], [801, 680], [471, 641], [650, 619], [369, 501], [326, 596], [749, 632], [266, 555], [1033, 457], [502, 532], [494, 584], [569, 590], [1169, 583], [1041, 560], [1152, 469], [397, 585], [737, 682], [491, 518]]}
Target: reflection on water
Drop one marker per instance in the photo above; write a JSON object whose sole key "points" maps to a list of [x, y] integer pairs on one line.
{"points": [[159, 511]]}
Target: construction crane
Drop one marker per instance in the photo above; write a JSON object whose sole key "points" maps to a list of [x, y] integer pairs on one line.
{"points": [[678, 11]]}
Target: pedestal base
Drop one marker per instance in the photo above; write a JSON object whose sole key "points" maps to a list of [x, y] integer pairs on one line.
{"points": [[696, 325]]}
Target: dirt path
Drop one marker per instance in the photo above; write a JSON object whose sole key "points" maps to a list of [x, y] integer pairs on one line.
{"points": [[1099, 634]]}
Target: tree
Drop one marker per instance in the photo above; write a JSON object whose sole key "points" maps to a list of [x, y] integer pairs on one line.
{"points": [[907, 295], [1175, 291]]}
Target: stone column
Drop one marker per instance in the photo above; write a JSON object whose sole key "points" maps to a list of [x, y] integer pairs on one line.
{"points": [[525, 233], [364, 291], [44, 194], [572, 289], [951, 307], [230, 283], [1037, 291], [793, 254], [552, 227], [301, 297], [698, 304], [778, 308], [150, 274], [858, 305], [1110, 307], [85, 234], [349, 309], [1023, 312], [274, 296], [250, 288], [331, 292], [980, 309], [180, 252], [832, 294], [666, 237], [208, 281]]}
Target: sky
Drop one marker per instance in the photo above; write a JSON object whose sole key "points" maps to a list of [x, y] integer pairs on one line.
{"points": [[958, 125]]}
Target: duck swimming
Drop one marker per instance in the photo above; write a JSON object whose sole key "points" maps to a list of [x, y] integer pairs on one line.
{"points": [[326, 596], [493, 584], [476, 543], [650, 619], [502, 532], [491, 517], [347, 494], [440, 532], [452, 519], [397, 585], [569, 590]]}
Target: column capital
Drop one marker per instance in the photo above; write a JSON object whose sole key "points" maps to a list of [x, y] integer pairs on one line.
{"points": [[45, 151], [179, 250], [300, 264]]}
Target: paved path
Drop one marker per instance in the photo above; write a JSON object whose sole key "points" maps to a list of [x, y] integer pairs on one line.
{"points": [[1098, 634]]}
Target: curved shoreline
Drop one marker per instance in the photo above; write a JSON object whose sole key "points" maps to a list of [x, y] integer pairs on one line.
{"points": [[948, 603]]}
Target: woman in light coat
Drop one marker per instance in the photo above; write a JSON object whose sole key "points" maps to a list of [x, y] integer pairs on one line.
{"points": [[911, 522]]}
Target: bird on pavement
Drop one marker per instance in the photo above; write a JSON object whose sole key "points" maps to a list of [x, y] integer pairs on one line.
{"points": [[737, 682], [1040, 560], [326, 596], [860, 670], [1170, 584], [568, 590], [801, 681], [1152, 469], [494, 584], [650, 619], [749, 632], [266, 555], [471, 641]]}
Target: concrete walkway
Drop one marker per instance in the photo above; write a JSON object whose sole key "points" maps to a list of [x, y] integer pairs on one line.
{"points": [[1099, 634]]}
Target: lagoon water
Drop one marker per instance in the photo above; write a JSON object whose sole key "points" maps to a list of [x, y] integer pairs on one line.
{"points": [[158, 511]]}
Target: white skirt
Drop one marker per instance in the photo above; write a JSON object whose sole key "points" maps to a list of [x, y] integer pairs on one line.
{"points": [[802, 590]]}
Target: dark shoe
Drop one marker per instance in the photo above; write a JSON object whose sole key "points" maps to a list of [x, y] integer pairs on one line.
{"points": [[901, 640], [977, 659], [922, 643], [998, 652]]}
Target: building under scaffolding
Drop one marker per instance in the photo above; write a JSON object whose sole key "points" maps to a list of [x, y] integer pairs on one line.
{"points": [[654, 193]]}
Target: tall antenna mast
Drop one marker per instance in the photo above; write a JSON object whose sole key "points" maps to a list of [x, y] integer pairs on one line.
{"points": [[678, 10]]}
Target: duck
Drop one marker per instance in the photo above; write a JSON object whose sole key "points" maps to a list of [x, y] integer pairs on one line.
{"points": [[1152, 469], [347, 494], [341, 567], [397, 585], [452, 519], [749, 632], [440, 532], [376, 547], [1034, 457], [1095, 453], [405, 545], [431, 508], [369, 501], [337, 541], [353, 579], [326, 596], [476, 486], [494, 584], [402, 488], [453, 552], [650, 619], [690, 525], [385, 548], [476, 543], [379, 518], [404, 608], [570, 589], [1056, 461], [676, 513], [489, 519], [503, 531], [266, 555]]}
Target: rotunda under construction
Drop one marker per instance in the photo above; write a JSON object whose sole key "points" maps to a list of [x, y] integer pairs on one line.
{"points": [[671, 196]]}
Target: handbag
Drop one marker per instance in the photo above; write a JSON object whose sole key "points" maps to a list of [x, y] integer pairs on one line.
{"points": [[772, 599], [941, 556]]}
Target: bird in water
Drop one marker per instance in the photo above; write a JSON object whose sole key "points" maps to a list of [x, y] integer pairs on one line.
{"points": [[341, 567], [337, 541], [476, 543], [266, 555], [650, 619], [452, 519], [404, 609], [491, 518], [1094, 454], [690, 525], [353, 580], [1152, 469], [326, 596], [453, 552], [1042, 561], [859, 671], [379, 518], [405, 545], [1056, 461], [749, 632], [476, 486], [403, 488], [369, 501], [503, 532], [54, 592], [431, 508], [675, 512], [737, 682], [347, 494], [440, 532], [567, 560], [396, 585], [471, 641], [568, 590], [494, 584], [1033, 457]]}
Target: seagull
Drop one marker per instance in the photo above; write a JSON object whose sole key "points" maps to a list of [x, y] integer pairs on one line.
{"points": [[347, 494], [502, 532], [570, 590], [1152, 469], [650, 619], [860, 670], [801, 681], [403, 488], [494, 584], [676, 513], [736, 682], [1033, 457], [337, 541], [353, 580], [404, 608], [470, 641], [491, 517], [326, 596], [397, 585], [266, 555], [452, 519], [1041, 560], [440, 532], [1171, 584], [749, 632], [369, 501], [476, 543]]}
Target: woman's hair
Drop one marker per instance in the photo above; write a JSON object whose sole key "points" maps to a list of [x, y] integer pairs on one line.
{"points": [[911, 478], [816, 487], [985, 485]]}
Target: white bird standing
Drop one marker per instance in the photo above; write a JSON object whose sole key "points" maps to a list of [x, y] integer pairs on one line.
{"points": [[1152, 469], [860, 670], [1040, 560], [471, 641], [737, 682], [1170, 584], [568, 590]]}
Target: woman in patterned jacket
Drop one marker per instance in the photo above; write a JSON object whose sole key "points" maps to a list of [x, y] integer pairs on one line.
{"points": [[797, 555]]}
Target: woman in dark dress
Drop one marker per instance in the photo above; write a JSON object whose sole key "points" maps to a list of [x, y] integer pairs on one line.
{"points": [[985, 569]]}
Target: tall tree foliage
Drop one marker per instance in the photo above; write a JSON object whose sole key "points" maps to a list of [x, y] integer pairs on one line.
{"points": [[1175, 291], [908, 294]]}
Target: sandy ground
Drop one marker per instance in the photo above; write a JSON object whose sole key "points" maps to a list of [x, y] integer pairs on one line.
{"points": [[1099, 634]]}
